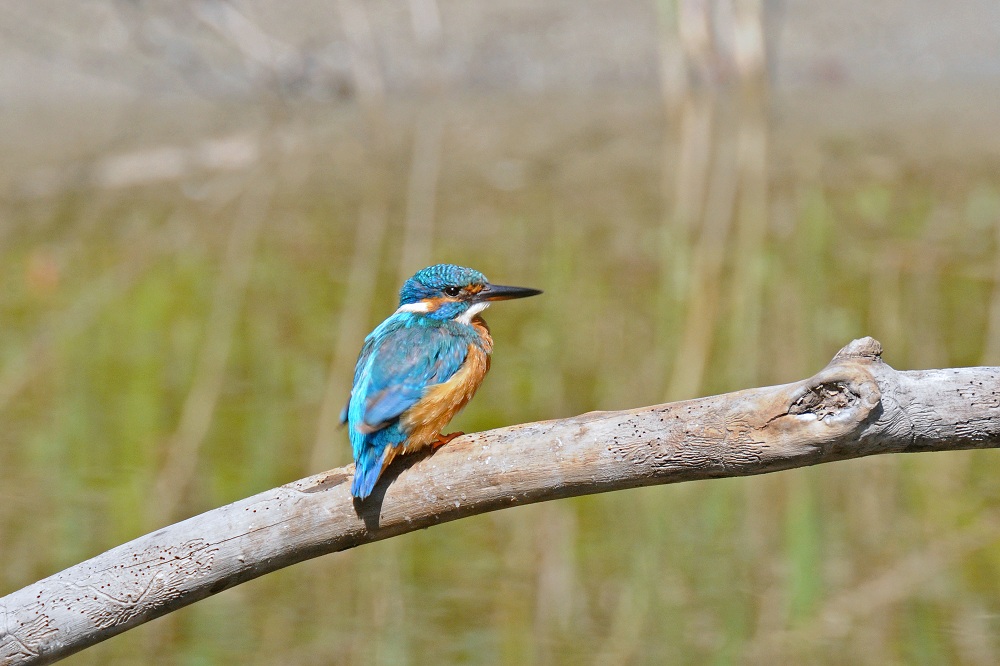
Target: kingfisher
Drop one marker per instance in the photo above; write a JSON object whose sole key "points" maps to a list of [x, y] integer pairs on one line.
{"points": [[420, 366]]}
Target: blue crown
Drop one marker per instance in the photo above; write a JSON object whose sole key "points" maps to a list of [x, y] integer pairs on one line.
{"points": [[431, 281]]}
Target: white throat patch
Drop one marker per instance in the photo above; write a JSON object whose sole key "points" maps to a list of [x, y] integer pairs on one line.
{"points": [[474, 309]]}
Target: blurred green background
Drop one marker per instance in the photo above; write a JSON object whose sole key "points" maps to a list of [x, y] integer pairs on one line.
{"points": [[205, 206]]}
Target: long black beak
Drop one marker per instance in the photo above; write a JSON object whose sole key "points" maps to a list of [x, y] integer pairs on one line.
{"points": [[498, 292]]}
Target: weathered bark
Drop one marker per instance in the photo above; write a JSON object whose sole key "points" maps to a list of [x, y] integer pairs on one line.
{"points": [[856, 406]]}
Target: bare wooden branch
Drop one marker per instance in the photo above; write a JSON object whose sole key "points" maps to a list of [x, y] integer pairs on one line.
{"points": [[856, 406]]}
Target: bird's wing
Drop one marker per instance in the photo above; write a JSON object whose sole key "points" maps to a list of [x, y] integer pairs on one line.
{"points": [[366, 352], [396, 368]]}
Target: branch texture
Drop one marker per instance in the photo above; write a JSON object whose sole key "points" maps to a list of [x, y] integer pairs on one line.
{"points": [[856, 406]]}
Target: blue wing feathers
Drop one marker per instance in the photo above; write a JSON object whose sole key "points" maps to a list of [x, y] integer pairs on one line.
{"points": [[390, 403], [399, 360]]}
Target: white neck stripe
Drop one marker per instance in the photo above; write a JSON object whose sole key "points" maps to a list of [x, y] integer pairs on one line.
{"points": [[419, 306], [474, 309], [464, 318]]}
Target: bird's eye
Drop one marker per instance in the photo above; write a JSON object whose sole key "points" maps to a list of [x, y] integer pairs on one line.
{"points": [[452, 291]]}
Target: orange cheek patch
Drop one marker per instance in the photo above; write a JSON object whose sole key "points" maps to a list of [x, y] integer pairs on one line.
{"points": [[434, 303]]}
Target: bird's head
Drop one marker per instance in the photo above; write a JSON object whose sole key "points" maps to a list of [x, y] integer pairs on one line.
{"points": [[446, 291]]}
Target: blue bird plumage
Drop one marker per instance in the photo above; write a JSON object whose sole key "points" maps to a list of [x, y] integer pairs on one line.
{"points": [[419, 367]]}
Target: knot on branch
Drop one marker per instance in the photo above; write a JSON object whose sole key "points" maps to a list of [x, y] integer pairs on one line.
{"points": [[863, 348], [837, 400], [825, 399]]}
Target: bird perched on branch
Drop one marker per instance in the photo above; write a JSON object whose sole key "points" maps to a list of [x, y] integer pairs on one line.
{"points": [[420, 366]]}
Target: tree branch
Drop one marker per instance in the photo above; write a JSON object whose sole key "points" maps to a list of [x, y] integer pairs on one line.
{"points": [[856, 406]]}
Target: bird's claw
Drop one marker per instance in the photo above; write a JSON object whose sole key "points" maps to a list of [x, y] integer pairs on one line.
{"points": [[443, 439]]}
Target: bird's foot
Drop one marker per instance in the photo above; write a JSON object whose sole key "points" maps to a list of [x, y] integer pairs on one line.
{"points": [[443, 439]]}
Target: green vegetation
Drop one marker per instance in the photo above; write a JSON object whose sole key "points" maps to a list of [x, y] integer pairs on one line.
{"points": [[115, 335]]}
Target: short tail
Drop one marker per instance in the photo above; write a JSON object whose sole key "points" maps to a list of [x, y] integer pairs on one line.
{"points": [[368, 467]]}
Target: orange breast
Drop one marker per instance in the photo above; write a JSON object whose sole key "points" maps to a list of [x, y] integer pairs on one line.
{"points": [[425, 420]]}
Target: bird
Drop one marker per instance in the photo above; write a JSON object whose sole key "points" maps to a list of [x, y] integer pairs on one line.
{"points": [[420, 367]]}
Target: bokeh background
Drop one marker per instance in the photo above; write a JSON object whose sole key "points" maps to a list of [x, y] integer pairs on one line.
{"points": [[206, 204]]}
